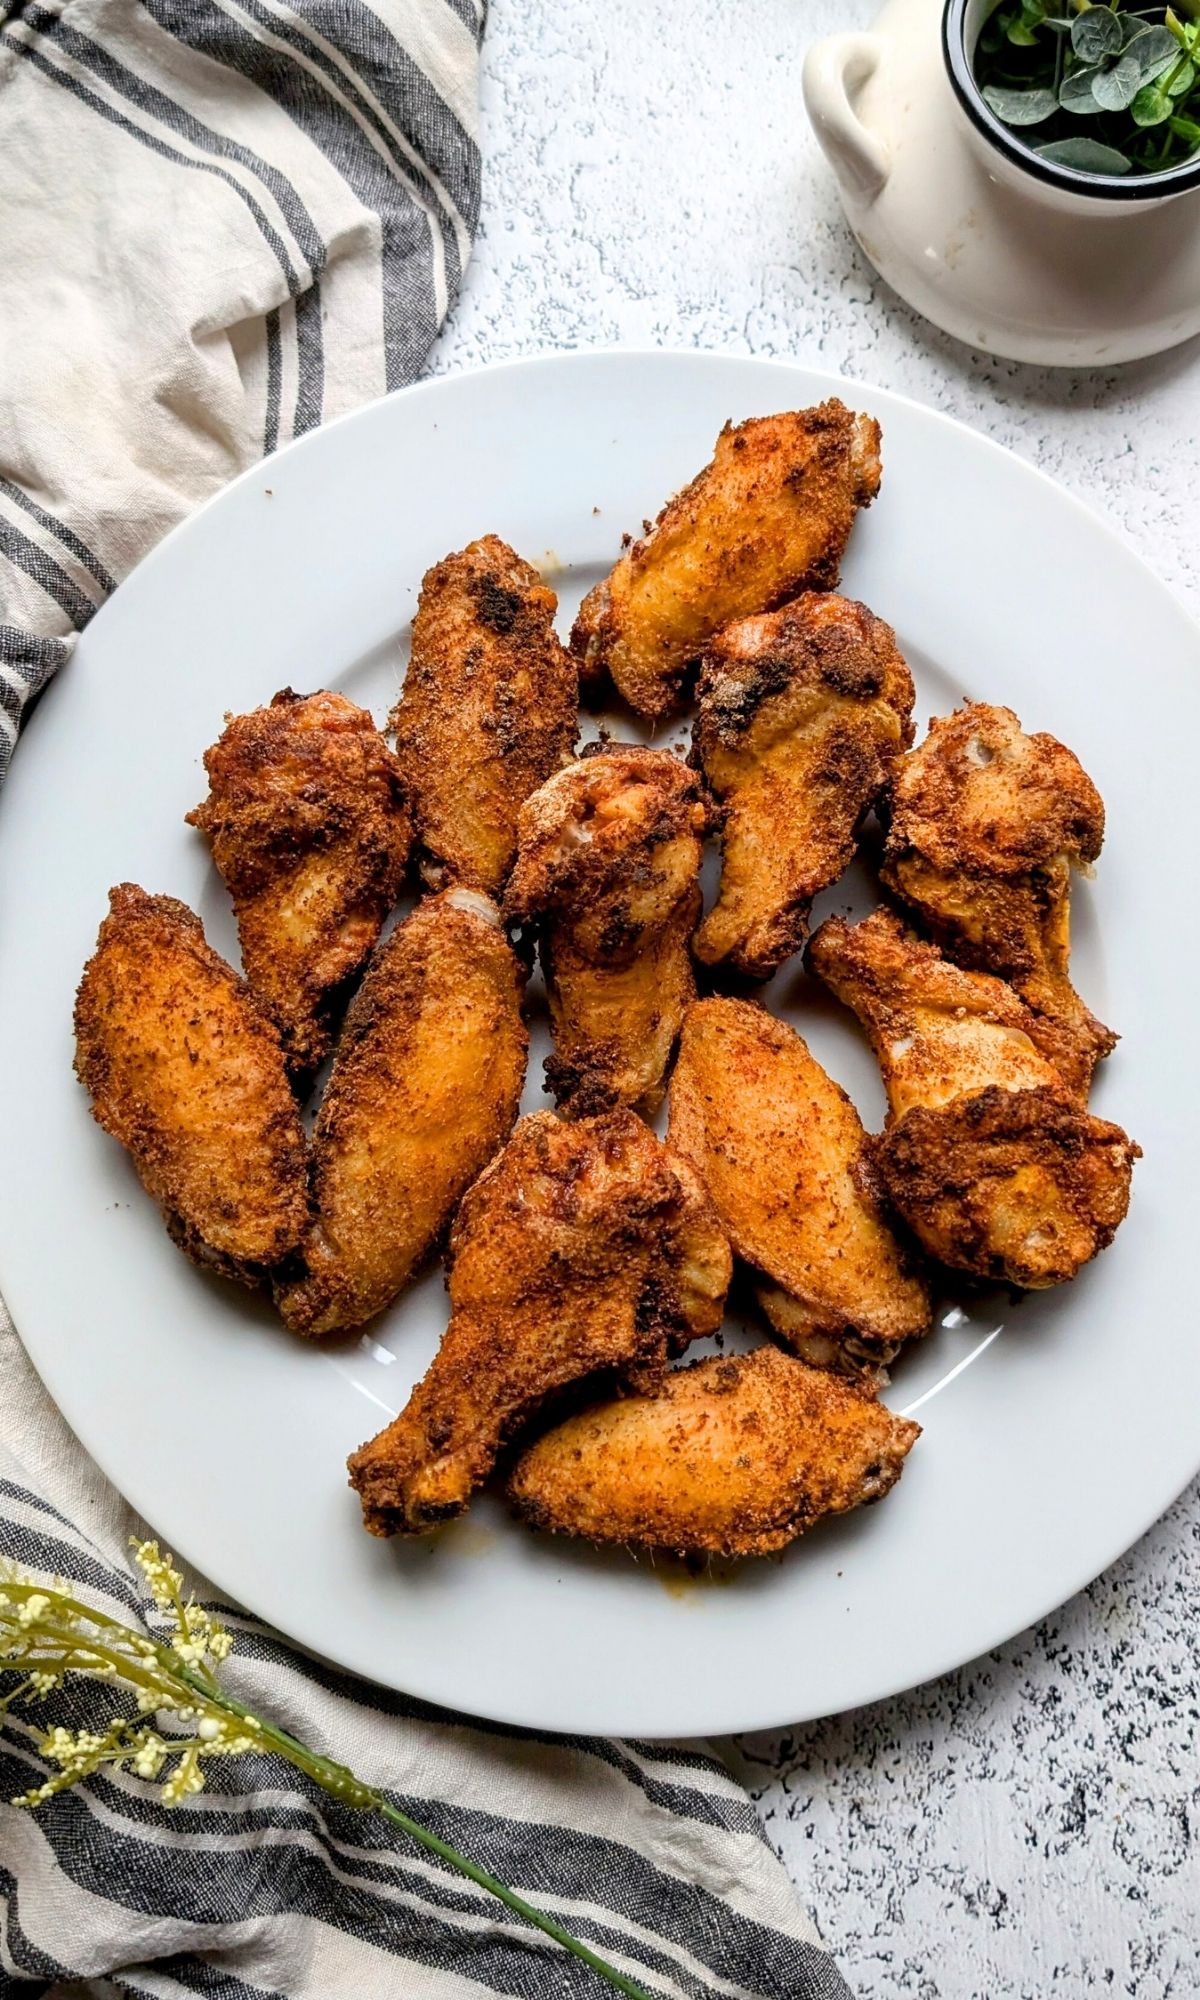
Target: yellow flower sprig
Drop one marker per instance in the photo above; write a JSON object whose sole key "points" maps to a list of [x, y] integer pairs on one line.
{"points": [[47, 1634]]}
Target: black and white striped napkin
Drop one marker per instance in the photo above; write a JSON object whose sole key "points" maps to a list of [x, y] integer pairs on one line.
{"points": [[221, 223]]}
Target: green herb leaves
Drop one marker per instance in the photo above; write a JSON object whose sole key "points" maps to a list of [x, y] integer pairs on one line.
{"points": [[1151, 106], [1096, 34], [1087, 156], [1020, 107], [1135, 73], [1113, 89], [1076, 92]]}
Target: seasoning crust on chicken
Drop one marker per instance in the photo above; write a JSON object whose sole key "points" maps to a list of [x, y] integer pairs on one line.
{"points": [[488, 711], [309, 832], [732, 1456], [582, 1248], [802, 715], [608, 872], [187, 1073], [782, 1152], [768, 517], [988, 1154], [986, 826], [424, 1090]]}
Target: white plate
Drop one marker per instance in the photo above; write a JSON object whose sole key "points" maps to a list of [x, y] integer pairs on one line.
{"points": [[1055, 1430]]}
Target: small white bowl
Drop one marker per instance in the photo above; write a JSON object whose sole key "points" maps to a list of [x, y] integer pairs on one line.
{"points": [[1009, 252]]}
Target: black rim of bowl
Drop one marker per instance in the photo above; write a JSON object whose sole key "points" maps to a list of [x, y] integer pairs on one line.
{"points": [[1109, 187]]}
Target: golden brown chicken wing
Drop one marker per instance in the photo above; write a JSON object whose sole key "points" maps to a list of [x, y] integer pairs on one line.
{"points": [[988, 1154], [986, 825], [185, 1070], [783, 1154], [608, 871], [802, 715], [768, 517], [489, 710], [733, 1456], [583, 1247], [311, 836], [424, 1089]]}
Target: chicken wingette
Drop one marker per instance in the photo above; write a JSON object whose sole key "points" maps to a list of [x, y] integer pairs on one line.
{"points": [[424, 1090], [733, 1456], [608, 874], [769, 516], [187, 1072], [782, 1152], [310, 834], [583, 1248], [986, 826], [988, 1154], [802, 715], [488, 711]]}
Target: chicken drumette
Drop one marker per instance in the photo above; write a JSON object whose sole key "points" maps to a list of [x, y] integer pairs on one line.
{"points": [[986, 825], [988, 1155], [583, 1248], [802, 714], [309, 831], [783, 1154], [608, 872], [733, 1456], [187, 1072], [489, 710], [424, 1090], [769, 516]]}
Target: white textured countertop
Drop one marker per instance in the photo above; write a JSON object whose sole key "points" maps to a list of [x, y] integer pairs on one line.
{"points": [[1029, 1826]]}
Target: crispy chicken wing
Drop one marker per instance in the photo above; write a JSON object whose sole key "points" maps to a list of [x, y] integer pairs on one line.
{"points": [[986, 825], [769, 516], [734, 1456], [783, 1154], [309, 831], [608, 871], [186, 1071], [988, 1154], [802, 714], [424, 1090], [583, 1247], [489, 710]]}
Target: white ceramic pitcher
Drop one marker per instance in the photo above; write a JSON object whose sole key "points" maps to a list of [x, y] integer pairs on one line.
{"points": [[1015, 255]]}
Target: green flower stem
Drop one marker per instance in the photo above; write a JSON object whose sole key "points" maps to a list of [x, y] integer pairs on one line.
{"points": [[349, 1790], [45, 1633], [513, 1901]]}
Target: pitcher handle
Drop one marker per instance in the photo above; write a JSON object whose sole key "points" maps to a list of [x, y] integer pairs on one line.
{"points": [[832, 69]]}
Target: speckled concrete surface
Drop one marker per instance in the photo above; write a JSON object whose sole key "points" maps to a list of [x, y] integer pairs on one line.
{"points": [[1027, 1826]]}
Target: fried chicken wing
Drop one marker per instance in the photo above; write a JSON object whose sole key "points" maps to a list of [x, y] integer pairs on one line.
{"points": [[424, 1090], [988, 1155], [782, 1152], [802, 714], [986, 825], [583, 1247], [310, 833], [608, 870], [733, 1456], [186, 1071], [769, 516], [489, 710]]}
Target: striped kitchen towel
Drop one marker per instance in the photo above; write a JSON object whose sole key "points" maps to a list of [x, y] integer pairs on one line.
{"points": [[222, 222], [263, 1885]]}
